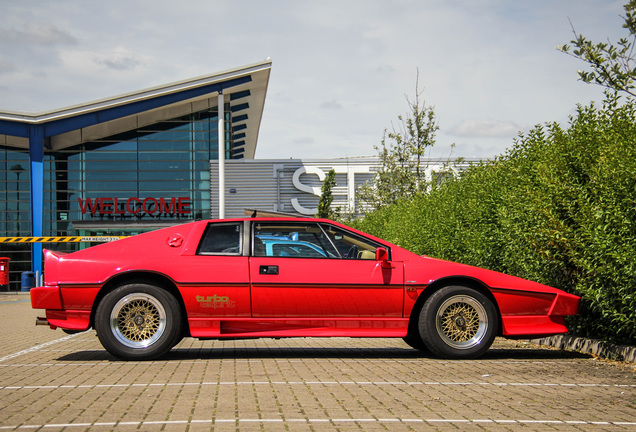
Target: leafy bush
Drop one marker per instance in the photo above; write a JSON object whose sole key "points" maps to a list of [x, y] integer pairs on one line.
{"points": [[558, 208]]}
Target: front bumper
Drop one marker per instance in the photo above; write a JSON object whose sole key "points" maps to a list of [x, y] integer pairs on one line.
{"points": [[539, 325]]}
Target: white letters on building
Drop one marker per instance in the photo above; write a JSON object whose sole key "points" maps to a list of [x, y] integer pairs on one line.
{"points": [[351, 171], [294, 185]]}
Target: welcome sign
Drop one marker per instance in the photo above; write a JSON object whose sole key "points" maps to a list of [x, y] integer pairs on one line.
{"points": [[135, 206]]}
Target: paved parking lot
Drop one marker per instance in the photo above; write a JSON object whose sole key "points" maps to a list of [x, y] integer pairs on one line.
{"points": [[52, 381]]}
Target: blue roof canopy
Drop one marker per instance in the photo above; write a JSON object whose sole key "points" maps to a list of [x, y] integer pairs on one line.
{"points": [[246, 88]]}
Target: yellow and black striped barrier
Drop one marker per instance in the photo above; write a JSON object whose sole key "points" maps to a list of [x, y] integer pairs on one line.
{"points": [[103, 239]]}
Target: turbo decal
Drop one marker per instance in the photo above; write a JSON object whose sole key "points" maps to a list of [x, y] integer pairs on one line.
{"points": [[215, 302]]}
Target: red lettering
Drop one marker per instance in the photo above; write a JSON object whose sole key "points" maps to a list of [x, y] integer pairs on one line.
{"points": [[164, 208], [116, 206], [136, 209], [104, 206], [184, 205], [88, 205], [134, 206], [154, 209]]}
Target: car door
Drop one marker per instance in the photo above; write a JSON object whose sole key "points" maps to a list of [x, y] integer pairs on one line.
{"points": [[215, 281], [304, 270]]}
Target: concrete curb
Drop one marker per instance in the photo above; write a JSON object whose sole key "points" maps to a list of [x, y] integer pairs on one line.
{"points": [[591, 346]]}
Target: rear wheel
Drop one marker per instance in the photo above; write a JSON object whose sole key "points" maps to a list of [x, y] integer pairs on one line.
{"points": [[138, 322], [458, 322]]}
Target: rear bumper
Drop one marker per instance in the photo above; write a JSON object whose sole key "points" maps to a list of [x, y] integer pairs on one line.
{"points": [[46, 297], [68, 319], [50, 298]]}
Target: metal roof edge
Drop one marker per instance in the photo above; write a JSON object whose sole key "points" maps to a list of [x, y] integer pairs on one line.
{"points": [[126, 98], [351, 159], [261, 109]]}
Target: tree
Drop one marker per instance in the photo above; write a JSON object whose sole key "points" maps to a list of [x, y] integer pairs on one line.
{"points": [[613, 66], [326, 197], [401, 152]]}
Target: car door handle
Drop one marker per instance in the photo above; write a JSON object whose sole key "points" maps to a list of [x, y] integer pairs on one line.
{"points": [[268, 269]]}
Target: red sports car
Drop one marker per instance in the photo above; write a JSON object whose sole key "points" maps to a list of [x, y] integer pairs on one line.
{"points": [[286, 277]]}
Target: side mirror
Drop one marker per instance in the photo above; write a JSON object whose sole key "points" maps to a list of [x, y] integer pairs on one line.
{"points": [[382, 255]]}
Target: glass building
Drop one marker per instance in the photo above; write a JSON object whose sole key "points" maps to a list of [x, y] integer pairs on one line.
{"points": [[120, 166]]}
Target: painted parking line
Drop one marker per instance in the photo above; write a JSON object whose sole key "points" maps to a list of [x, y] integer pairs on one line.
{"points": [[311, 383], [334, 421], [14, 301], [38, 347]]}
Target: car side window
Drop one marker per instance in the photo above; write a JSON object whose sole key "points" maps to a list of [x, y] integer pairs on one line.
{"points": [[285, 239], [310, 240], [350, 245], [221, 239], [299, 250]]}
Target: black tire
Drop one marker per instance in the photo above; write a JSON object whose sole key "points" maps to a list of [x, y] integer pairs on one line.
{"points": [[458, 322], [415, 341], [138, 322]]}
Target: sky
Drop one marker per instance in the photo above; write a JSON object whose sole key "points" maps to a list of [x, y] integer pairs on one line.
{"points": [[341, 70]]}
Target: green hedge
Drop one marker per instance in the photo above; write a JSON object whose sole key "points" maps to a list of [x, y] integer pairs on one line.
{"points": [[558, 208]]}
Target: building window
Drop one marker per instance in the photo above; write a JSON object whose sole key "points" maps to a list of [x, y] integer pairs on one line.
{"points": [[15, 212], [157, 173]]}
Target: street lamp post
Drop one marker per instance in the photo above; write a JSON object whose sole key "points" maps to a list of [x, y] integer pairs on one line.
{"points": [[17, 169]]}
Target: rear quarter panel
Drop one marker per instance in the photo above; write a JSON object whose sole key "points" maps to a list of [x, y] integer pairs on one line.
{"points": [[150, 251], [209, 285]]}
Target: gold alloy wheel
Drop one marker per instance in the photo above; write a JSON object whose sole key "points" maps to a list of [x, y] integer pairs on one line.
{"points": [[461, 322], [138, 320]]}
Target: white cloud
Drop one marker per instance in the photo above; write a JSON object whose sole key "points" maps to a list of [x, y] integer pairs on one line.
{"points": [[332, 104], [43, 34], [340, 69], [6, 65], [120, 59], [485, 128]]}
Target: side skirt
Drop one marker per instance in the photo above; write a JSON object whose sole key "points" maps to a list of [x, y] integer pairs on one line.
{"points": [[319, 327]]}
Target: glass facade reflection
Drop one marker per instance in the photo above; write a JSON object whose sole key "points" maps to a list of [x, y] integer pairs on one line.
{"points": [[119, 185], [15, 210], [15, 204]]}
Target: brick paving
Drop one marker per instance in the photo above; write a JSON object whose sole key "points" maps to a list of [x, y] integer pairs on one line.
{"points": [[52, 381]]}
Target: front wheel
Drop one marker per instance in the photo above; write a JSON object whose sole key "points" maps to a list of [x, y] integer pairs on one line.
{"points": [[138, 322], [458, 322], [415, 342]]}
